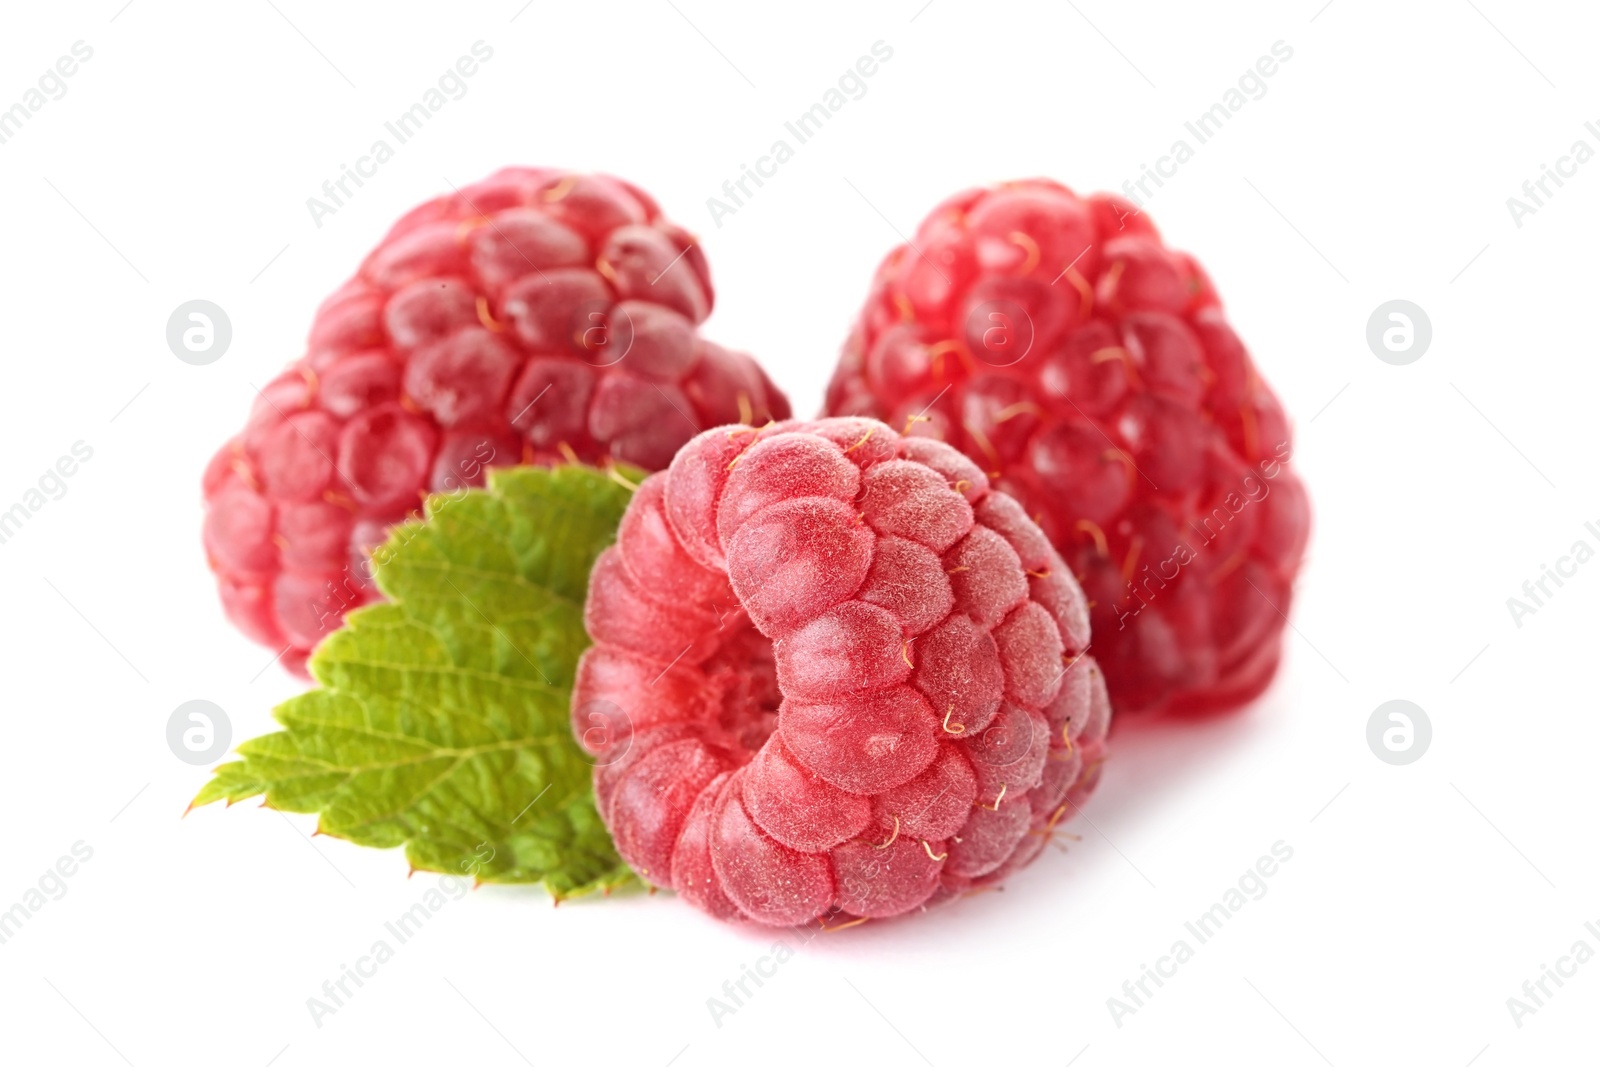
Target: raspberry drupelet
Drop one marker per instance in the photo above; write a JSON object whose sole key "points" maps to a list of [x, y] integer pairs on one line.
{"points": [[835, 674], [1090, 371], [538, 316]]}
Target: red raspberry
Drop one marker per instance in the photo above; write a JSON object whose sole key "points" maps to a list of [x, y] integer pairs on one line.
{"points": [[1089, 369], [535, 317], [833, 673]]}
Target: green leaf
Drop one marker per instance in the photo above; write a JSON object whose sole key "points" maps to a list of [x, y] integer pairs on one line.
{"points": [[442, 723]]}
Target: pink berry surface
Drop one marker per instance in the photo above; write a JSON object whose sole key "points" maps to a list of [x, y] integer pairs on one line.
{"points": [[835, 673], [1090, 371], [537, 316]]}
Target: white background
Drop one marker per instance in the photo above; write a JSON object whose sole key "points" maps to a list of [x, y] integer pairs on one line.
{"points": [[1377, 166]]}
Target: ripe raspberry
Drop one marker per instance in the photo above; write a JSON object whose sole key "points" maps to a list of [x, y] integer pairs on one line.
{"points": [[535, 317], [1088, 368], [833, 673]]}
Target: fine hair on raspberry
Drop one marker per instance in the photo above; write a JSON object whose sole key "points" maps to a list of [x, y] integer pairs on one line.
{"points": [[835, 675], [538, 316]]}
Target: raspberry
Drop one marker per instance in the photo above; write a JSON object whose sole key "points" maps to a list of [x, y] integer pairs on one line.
{"points": [[1090, 371], [834, 673], [538, 316]]}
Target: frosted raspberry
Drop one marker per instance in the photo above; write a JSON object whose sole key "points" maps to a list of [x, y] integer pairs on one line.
{"points": [[538, 316], [1088, 369], [834, 674]]}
